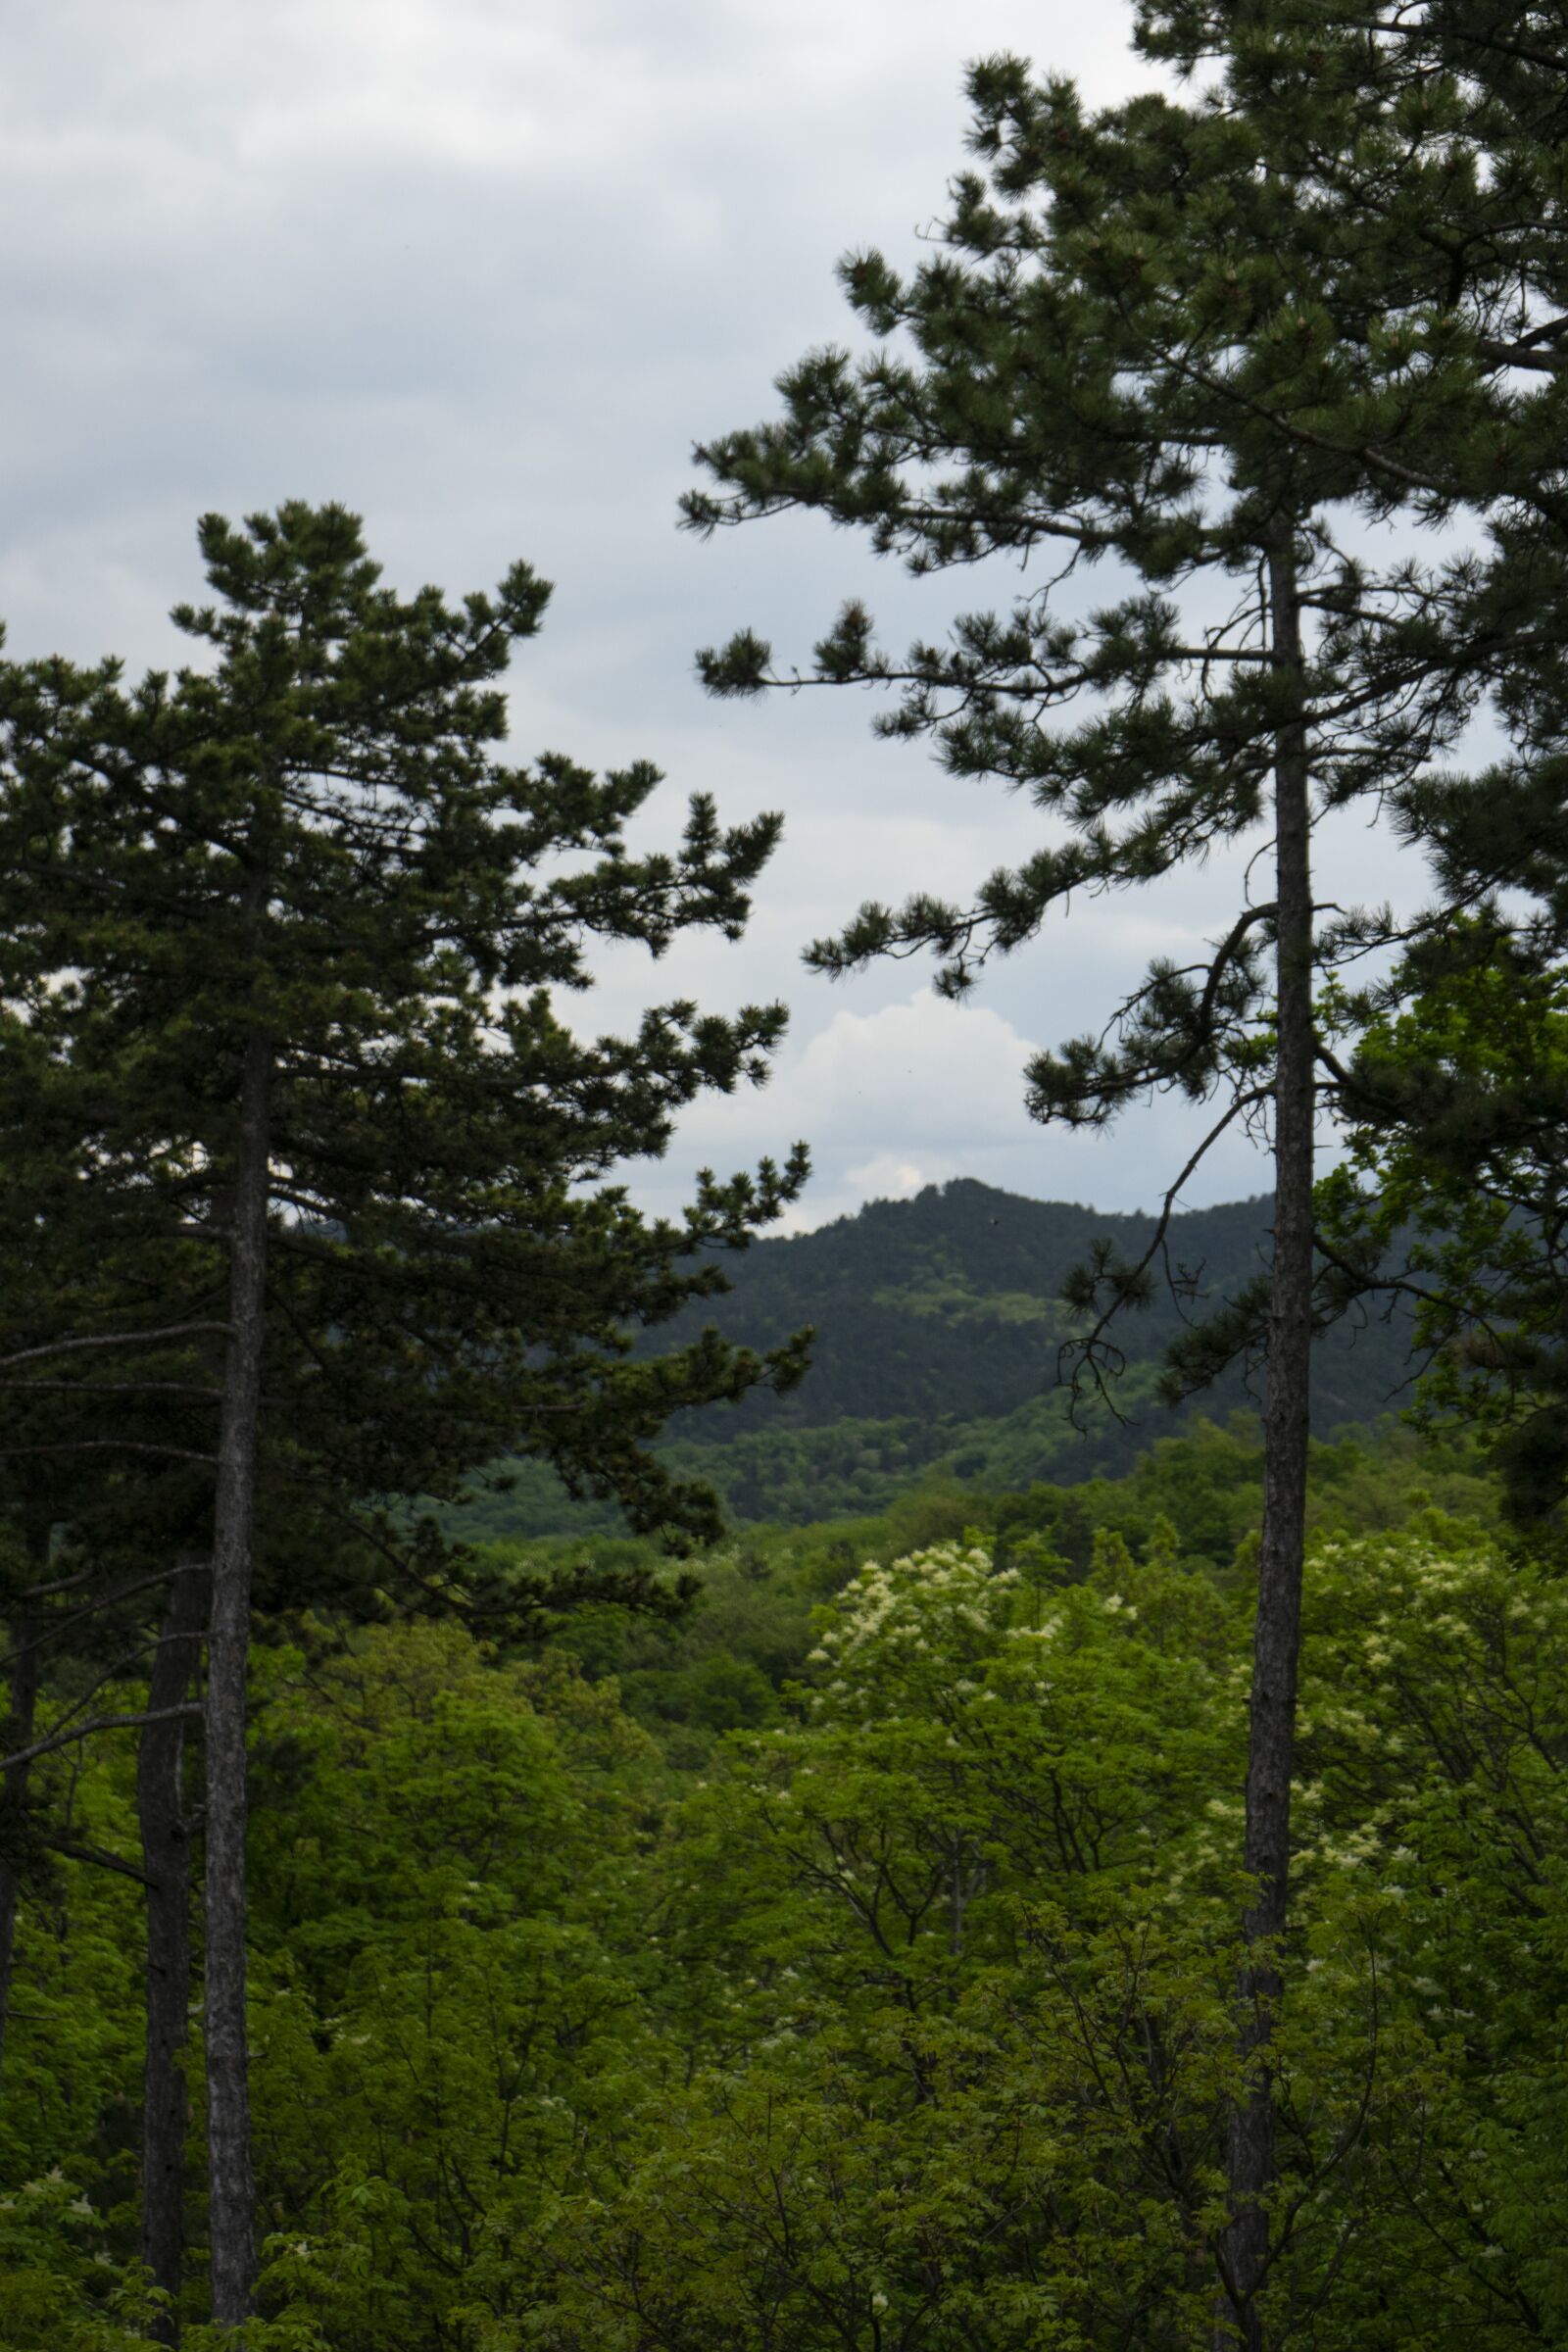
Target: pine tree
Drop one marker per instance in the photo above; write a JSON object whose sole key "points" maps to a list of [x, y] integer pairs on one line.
{"points": [[1145, 344], [305, 926], [1458, 1091]]}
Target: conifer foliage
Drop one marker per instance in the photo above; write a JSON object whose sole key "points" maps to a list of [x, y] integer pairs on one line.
{"points": [[1203, 347], [298, 923]]}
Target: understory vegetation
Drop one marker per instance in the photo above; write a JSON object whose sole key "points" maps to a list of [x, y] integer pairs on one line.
{"points": [[848, 1962]]}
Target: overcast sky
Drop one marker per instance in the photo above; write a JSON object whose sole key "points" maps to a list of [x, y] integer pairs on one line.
{"points": [[484, 269]]}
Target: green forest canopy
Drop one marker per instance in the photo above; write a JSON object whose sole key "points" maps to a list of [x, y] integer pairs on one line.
{"points": [[893, 2013]]}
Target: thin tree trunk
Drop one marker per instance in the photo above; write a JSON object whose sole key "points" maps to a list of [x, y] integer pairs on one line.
{"points": [[21, 1719], [166, 1860], [230, 2180], [1276, 1647]]}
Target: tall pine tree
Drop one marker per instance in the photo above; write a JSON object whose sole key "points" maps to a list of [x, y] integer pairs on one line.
{"points": [[305, 926], [1178, 342]]}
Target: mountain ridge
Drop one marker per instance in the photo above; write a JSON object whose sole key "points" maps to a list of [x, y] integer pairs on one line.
{"points": [[947, 1306], [939, 1329]]}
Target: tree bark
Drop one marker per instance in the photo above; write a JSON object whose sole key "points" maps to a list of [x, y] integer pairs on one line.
{"points": [[1276, 1645], [166, 1860], [20, 1717], [230, 2180]]}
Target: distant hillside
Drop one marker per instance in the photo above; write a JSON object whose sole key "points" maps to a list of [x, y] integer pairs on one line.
{"points": [[939, 1322], [947, 1307]]}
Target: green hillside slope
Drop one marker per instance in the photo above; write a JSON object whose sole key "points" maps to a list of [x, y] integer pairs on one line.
{"points": [[948, 1308], [939, 1329]]}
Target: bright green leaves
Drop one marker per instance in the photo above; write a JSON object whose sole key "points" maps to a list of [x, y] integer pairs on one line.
{"points": [[963, 1960], [1435, 1743], [452, 1998], [909, 2017]]}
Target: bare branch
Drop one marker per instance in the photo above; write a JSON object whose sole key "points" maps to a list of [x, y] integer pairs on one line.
{"points": [[176, 1453], [92, 1609], [118, 1339], [97, 1853], [1085, 1350], [99, 1723], [109, 1388]]}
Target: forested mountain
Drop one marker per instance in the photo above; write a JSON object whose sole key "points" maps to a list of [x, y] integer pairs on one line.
{"points": [[938, 1353], [948, 1308]]}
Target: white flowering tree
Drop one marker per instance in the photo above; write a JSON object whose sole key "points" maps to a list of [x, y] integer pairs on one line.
{"points": [[1434, 1856], [943, 2017], [910, 2031], [954, 1954]]}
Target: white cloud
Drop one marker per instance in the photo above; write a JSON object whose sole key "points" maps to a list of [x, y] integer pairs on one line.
{"points": [[887, 1178], [917, 1093], [924, 1073]]}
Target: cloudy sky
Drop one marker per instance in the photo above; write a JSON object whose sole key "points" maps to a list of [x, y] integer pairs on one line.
{"points": [[484, 269]]}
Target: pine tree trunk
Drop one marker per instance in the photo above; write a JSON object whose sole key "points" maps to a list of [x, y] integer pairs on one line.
{"points": [[230, 2180], [166, 1861], [1276, 1646], [21, 1715]]}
